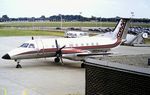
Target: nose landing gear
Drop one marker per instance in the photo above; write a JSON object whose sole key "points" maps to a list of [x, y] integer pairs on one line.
{"points": [[18, 65]]}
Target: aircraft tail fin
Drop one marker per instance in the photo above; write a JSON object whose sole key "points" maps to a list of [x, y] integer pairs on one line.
{"points": [[121, 29]]}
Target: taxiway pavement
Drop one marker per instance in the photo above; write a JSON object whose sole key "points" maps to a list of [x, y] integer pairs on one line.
{"points": [[38, 76]]}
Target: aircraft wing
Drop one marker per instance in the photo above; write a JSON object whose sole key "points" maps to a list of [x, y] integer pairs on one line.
{"points": [[92, 54], [78, 54], [81, 53]]}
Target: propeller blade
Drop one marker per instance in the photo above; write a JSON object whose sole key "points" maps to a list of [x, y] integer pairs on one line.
{"points": [[62, 47], [61, 59], [59, 52], [57, 45]]}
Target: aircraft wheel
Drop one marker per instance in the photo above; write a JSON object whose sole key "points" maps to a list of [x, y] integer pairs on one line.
{"points": [[57, 60], [18, 66], [82, 65]]}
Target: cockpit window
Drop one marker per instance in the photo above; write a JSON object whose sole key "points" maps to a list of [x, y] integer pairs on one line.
{"points": [[31, 46], [25, 45]]}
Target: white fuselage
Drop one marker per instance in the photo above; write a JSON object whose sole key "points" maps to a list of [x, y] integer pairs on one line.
{"points": [[47, 47]]}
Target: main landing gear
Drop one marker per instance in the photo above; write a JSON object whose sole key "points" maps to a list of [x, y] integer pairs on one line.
{"points": [[82, 65], [57, 60]]}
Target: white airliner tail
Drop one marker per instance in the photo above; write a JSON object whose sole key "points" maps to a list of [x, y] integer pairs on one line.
{"points": [[121, 29]]}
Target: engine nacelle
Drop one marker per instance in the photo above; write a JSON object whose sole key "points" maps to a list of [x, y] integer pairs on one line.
{"points": [[73, 57]]}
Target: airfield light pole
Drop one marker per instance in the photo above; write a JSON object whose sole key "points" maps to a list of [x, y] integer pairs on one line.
{"points": [[80, 19], [101, 22], [32, 23], [132, 15], [96, 20], [60, 21]]}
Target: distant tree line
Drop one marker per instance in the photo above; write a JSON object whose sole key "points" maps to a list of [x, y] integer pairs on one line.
{"points": [[5, 18]]}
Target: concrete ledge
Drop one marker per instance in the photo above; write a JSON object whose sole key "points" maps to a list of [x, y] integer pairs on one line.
{"points": [[118, 66], [141, 45]]}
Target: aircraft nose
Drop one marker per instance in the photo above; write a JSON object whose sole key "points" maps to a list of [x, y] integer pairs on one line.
{"points": [[6, 56]]}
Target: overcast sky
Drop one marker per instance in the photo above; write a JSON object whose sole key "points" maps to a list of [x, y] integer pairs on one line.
{"points": [[98, 8]]}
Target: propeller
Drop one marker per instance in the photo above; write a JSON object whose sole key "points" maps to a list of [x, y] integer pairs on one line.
{"points": [[59, 51]]}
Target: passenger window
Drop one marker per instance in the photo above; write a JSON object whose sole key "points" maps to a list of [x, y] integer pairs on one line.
{"points": [[92, 44], [71, 45], [25, 45], [76, 45], [53, 46], [31, 46]]}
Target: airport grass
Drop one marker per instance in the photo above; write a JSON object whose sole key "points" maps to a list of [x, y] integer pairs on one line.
{"points": [[57, 24], [10, 28], [147, 41], [17, 32], [66, 24]]}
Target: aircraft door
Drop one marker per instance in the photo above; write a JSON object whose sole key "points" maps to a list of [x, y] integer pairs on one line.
{"points": [[40, 48]]}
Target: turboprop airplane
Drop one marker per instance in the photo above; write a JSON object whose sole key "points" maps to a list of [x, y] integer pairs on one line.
{"points": [[69, 48]]}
